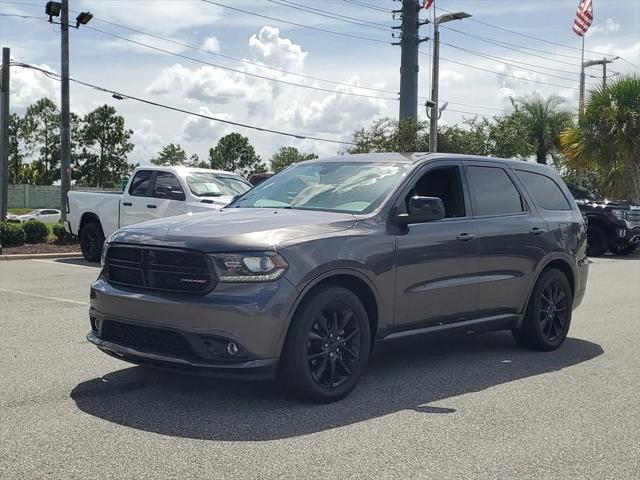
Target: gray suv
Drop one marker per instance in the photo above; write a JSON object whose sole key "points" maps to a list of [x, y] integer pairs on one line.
{"points": [[303, 275]]}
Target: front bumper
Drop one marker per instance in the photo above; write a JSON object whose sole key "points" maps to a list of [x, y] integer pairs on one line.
{"points": [[250, 369], [254, 316]]}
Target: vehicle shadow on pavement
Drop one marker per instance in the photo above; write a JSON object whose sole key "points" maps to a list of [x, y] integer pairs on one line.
{"points": [[407, 375]]}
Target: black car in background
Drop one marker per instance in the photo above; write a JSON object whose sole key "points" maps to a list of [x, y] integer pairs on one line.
{"points": [[613, 225]]}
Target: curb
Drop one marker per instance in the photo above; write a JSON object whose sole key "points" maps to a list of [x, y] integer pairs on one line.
{"points": [[33, 256]]}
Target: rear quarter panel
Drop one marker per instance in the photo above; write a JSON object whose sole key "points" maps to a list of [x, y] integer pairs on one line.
{"points": [[106, 206]]}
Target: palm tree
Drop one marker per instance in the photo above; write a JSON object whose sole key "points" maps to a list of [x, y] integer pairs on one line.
{"points": [[608, 134], [544, 120]]}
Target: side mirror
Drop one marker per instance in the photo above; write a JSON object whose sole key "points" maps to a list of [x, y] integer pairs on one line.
{"points": [[422, 210]]}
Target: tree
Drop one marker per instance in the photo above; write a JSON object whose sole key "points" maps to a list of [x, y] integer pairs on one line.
{"points": [[473, 140], [18, 149], [288, 156], [105, 145], [41, 132], [508, 137], [234, 153], [607, 137], [388, 135], [195, 162], [171, 155], [544, 122]]}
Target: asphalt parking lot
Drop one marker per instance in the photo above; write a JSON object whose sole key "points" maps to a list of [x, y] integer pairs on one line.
{"points": [[463, 407]]}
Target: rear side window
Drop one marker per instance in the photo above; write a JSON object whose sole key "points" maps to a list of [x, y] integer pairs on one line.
{"points": [[493, 192], [140, 183], [545, 190]]}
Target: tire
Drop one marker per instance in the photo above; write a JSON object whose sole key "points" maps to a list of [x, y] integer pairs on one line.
{"points": [[545, 328], [327, 347], [596, 241], [91, 241], [624, 248]]}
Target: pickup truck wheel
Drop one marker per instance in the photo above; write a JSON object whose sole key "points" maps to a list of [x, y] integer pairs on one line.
{"points": [[548, 316], [327, 346], [596, 241], [624, 248], [91, 240]]}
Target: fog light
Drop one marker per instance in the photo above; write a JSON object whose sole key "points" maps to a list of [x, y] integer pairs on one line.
{"points": [[232, 349]]}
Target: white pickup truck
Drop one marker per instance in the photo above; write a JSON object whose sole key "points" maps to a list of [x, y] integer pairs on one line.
{"points": [[151, 192]]}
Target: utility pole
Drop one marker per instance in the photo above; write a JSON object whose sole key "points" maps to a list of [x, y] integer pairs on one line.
{"points": [[435, 110], [409, 60], [592, 63], [4, 135], [65, 121]]}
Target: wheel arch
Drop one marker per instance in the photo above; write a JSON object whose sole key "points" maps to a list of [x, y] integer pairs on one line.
{"points": [[349, 279], [558, 263], [89, 217]]}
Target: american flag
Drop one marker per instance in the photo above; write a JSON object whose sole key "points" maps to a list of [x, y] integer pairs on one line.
{"points": [[584, 17], [427, 3]]}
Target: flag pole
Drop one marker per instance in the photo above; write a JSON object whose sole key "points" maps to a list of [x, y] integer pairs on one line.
{"points": [[582, 81]]}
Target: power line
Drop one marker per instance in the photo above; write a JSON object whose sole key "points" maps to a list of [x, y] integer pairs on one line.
{"points": [[121, 95], [277, 80], [333, 15], [256, 64], [500, 73], [324, 30], [369, 6], [507, 62], [537, 38]]}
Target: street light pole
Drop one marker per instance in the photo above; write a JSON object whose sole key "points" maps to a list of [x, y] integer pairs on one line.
{"points": [[435, 110], [4, 135], [65, 121]]}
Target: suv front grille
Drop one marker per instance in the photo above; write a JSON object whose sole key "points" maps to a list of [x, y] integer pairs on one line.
{"points": [[156, 268], [634, 217], [154, 340]]}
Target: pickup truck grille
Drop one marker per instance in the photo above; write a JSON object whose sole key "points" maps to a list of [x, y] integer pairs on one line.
{"points": [[154, 268], [634, 217]]}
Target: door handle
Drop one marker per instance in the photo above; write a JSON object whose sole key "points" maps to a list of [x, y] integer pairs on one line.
{"points": [[537, 231], [151, 206], [465, 237], [126, 204]]}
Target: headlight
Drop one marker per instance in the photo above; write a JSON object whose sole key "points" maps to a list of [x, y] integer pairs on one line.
{"points": [[623, 215], [103, 256], [249, 267]]}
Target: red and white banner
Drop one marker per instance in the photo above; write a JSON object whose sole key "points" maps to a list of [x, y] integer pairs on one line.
{"points": [[584, 18]]}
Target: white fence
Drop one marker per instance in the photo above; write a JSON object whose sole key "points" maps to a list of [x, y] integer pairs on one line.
{"points": [[42, 196]]}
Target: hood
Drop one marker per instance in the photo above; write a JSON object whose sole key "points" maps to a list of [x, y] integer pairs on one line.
{"points": [[235, 229], [216, 202]]}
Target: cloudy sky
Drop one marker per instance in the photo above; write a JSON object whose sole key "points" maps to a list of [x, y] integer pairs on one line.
{"points": [[193, 64]]}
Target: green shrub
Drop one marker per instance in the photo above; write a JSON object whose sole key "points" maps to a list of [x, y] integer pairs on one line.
{"points": [[11, 234], [62, 236], [35, 231]]}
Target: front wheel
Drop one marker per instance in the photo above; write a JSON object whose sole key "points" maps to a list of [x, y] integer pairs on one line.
{"points": [[91, 241], [327, 347], [596, 241], [548, 316], [624, 248]]}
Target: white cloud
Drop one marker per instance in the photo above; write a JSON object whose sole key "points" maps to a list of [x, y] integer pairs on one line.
{"points": [[610, 25], [148, 142], [270, 48], [198, 129], [211, 43], [449, 77], [28, 86]]}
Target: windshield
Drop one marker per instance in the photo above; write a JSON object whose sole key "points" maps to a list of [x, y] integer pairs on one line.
{"points": [[350, 187], [580, 193], [209, 184]]}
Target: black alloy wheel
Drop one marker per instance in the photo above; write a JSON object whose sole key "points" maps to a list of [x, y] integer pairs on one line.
{"points": [[553, 310], [327, 345], [548, 316], [333, 346], [596, 241], [624, 248]]}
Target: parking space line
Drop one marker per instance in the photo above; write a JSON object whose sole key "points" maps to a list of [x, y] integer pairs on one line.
{"points": [[46, 297], [62, 263]]}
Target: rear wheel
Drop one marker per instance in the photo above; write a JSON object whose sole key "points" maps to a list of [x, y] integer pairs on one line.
{"points": [[624, 248], [327, 347], [596, 241], [548, 316], [91, 241]]}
